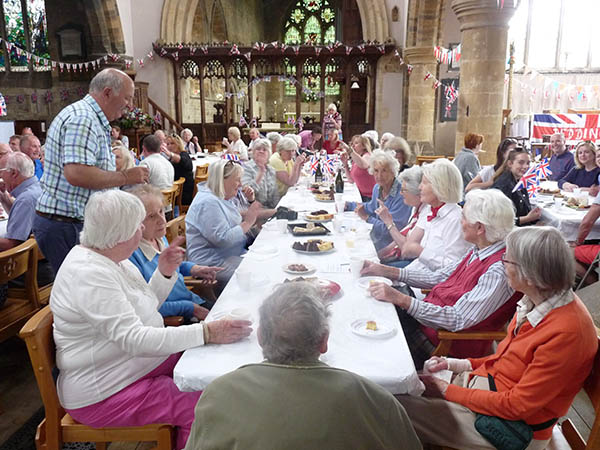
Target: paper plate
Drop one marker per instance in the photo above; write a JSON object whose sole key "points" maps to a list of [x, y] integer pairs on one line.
{"points": [[365, 282], [306, 252], [384, 329]]}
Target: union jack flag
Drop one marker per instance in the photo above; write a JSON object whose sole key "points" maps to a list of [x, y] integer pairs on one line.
{"points": [[543, 169], [314, 163], [243, 122], [530, 178], [330, 165], [231, 157]]}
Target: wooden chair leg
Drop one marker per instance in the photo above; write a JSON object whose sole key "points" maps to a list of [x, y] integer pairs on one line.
{"points": [[166, 439]]}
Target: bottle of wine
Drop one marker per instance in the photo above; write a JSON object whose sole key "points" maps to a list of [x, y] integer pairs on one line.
{"points": [[318, 174], [339, 182]]}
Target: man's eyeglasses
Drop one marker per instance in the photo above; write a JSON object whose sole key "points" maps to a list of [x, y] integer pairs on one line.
{"points": [[508, 261]]}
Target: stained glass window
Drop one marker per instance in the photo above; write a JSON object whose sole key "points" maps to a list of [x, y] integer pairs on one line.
{"points": [[15, 32], [310, 21], [17, 20], [38, 31]]}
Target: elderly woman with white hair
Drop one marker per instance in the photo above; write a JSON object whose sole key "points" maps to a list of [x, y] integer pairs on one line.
{"points": [[471, 294], [286, 169], [401, 151], [293, 333], [215, 229], [114, 354], [537, 370], [385, 138], [260, 176], [273, 138], [333, 119], [123, 158], [189, 145], [386, 192], [234, 144], [442, 243], [394, 254]]}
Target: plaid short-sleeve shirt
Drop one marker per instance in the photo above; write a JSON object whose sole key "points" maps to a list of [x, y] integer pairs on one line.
{"points": [[80, 134]]}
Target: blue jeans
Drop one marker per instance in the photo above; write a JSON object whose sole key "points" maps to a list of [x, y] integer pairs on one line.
{"points": [[400, 263], [55, 239]]}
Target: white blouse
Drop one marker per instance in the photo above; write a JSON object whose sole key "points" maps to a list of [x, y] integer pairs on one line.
{"points": [[107, 328], [442, 241]]}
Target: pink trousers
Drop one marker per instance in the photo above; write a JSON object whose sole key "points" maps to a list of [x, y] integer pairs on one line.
{"points": [[154, 398]]}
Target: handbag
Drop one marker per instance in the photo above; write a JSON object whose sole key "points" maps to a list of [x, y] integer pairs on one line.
{"points": [[286, 213], [507, 434]]}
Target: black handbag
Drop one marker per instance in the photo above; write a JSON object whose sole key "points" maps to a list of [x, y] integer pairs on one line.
{"points": [[507, 434], [286, 213]]}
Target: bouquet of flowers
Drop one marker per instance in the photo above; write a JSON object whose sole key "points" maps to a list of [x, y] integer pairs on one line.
{"points": [[136, 118]]}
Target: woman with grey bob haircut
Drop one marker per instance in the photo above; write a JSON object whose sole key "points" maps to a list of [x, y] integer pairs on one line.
{"points": [[544, 259], [293, 324], [490, 208], [218, 172]]}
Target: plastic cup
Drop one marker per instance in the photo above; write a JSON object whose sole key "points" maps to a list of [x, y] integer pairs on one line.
{"points": [[338, 197], [239, 314], [577, 191], [557, 202], [356, 264], [282, 225], [338, 222], [340, 205], [244, 277]]}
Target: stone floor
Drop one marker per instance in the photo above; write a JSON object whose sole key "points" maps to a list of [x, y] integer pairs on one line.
{"points": [[20, 399]]}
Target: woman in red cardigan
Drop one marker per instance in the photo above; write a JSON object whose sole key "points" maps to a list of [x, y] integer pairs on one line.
{"points": [[537, 369]]}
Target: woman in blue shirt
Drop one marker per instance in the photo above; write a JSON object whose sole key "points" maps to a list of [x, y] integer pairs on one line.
{"points": [[215, 229], [585, 173], [384, 167], [181, 301]]}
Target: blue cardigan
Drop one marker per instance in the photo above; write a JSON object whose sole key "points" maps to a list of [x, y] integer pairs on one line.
{"points": [[180, 301], [399, 210]]}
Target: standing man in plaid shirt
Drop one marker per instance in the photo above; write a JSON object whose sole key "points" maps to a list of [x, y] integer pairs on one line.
{"points": [[79, 161]]}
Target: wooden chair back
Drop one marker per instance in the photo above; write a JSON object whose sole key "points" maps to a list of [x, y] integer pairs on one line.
{"points": [[592, 388], [179, 195], [58, 427], [169, 196], [20, 304], [422, 159], [200, 176], [176, 227]]}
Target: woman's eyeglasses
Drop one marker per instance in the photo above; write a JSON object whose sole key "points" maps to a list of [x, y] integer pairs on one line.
{"points": [[508, 261]]}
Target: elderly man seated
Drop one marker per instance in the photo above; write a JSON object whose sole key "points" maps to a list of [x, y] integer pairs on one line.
{"points": [[471, 294], [30, 145], [293, 401]]}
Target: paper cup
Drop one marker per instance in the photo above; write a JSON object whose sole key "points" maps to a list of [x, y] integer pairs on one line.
{"points": [[239, 314], [338, 197], [244, 277], [356, 264], [282, 225]]}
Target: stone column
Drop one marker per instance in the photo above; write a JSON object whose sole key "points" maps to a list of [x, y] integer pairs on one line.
{"points": [[484, 31], [421, 97]]}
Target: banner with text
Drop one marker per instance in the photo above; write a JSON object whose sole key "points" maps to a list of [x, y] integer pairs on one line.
{"points": [[575, 127]]}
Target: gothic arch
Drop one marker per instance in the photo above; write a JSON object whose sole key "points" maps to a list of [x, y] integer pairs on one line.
{"points": [[105, 27], [177, 22]]}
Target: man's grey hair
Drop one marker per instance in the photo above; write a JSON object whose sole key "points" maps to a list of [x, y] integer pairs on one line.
{"points": [[111, 217], [543, 257], [25, 139], [287, 144], [262, 143], [293, 324], [20, 162], [107, 78], [491, 208], [217, 172], [274, 137], [411, 179], [445, 179], [382, 158]]}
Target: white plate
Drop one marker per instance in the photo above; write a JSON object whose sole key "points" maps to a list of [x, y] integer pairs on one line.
{"points": [[365, 282], [306, 252], [317, 220], [310, 267], [384, 329], [264, 250], [324, 201], [222, 315]]}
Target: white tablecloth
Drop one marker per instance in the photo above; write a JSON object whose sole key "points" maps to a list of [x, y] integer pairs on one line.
{"points": [[566, 220], [384, 361]]}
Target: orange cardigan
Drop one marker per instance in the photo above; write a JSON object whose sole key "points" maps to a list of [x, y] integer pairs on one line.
{"points": [[538, 372]]}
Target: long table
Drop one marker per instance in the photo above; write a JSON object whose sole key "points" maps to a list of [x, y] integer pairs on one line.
{"points": [[565, 219], [384, 361]]}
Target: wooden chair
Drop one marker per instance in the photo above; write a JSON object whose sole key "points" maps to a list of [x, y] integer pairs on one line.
{"points": [[421, 159], [20, 304], [176, 227], [179, 194], [200, 176], [170, 196], [58, 427], [448, 337]]}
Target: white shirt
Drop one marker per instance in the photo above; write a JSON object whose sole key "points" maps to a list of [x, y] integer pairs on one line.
{"points": [[107, 328], [442, 242], [487, 173], [162, 173], [240, 149]]}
